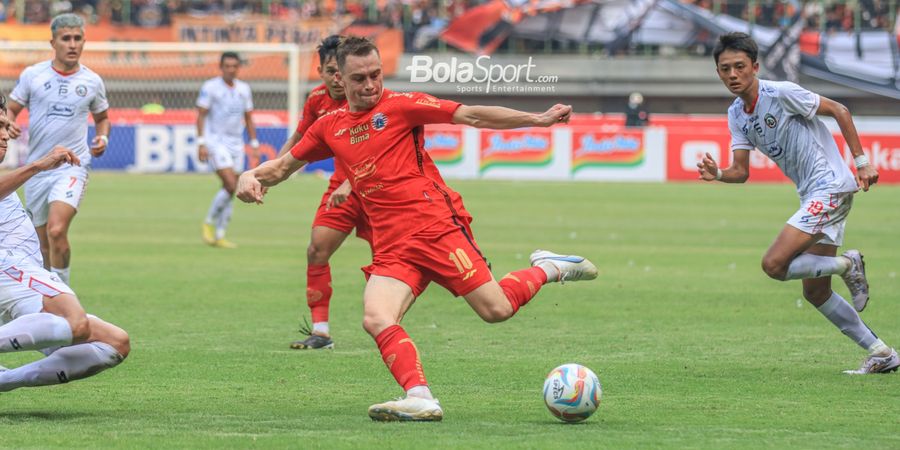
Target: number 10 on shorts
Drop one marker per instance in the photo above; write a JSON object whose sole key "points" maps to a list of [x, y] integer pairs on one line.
{"points": [[462, 261]]}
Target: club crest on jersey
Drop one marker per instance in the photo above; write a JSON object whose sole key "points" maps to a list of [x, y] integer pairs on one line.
{"points": [[770, 121], [81, 90], [379, 121]]}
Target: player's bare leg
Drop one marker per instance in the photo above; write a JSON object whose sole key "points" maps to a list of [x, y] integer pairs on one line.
{"points": [[115, 337], [323, 242], [385, 301], [69, 308], [787, 258], [497, 301], [61, 322], [490, 302], [104, 347], [219, 214], [54, 238], [815, 264], [817, 291], [45, 244]]}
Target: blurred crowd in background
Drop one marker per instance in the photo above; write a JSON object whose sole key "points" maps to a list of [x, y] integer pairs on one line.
{"points": [[838, 15], [425, 17], [153, 13], [842, 15]]}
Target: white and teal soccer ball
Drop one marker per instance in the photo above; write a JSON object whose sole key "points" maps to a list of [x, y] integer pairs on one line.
{"points": [[572, 392]]}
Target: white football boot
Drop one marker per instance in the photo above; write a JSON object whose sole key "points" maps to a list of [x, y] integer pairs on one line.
{"points": [[855, 278], [877, 364], [415, 409], [570, 267]]}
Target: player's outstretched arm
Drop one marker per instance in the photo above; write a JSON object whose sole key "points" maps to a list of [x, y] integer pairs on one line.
{"points": [[253, 184], [13, 180], [500, 118], [866, 174], [13, 109], [738, 172], [290, 143]]}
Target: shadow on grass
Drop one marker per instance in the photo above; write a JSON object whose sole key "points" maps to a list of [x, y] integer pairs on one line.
{"points": [[559, 423], [27, 416]]}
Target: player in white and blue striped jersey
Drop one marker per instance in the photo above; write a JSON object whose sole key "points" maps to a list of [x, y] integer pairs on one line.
{"points": [[224, 110], [38, 311], [59, 95], [779, 119]]}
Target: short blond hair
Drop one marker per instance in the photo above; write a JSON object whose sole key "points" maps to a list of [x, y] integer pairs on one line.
{"points": [[355, 46]]}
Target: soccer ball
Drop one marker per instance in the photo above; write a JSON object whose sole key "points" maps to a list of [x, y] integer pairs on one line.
{"points": [[572, 392]]}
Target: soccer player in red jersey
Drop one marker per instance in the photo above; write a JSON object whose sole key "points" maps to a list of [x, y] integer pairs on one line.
{"points": [[340, 210], [420, 232]]}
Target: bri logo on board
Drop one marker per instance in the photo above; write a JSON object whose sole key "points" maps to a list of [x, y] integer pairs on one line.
{"points": [[606, 150], [516, 149]]}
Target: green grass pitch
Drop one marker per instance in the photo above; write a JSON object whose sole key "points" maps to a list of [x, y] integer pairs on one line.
{"points": [[694, 345]]}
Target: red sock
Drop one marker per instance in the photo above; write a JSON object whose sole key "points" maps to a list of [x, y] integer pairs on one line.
{"points": [[400, 355], [318, 291], [522, 285]]}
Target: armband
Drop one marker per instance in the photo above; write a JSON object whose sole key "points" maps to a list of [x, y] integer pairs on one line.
{"points": [[200, 140], [861, 161], [718, 174], [254, 143]]}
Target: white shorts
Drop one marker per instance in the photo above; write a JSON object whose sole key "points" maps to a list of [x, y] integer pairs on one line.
{"points": [[23, 288], [825, 214], [222, 156], [66, 184]]}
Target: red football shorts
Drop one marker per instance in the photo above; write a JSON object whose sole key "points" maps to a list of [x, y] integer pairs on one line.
{"points": [[445, 253], [344, 218]]}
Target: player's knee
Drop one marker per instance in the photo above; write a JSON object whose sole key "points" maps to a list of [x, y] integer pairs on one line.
{"points": [[816, 294], [316, 254], [120, 341], [496, 313], [56, 234], [774, 268], [374, 324], [81, 328]]}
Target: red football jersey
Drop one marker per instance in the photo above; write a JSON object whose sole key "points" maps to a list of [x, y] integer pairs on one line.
{"points": [[382, 150], [319, 103]]}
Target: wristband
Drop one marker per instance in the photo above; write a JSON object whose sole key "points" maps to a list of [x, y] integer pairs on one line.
{"points": [[200, 140], [861, 161], [254, 143], [104, 138], [718, 174]]}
